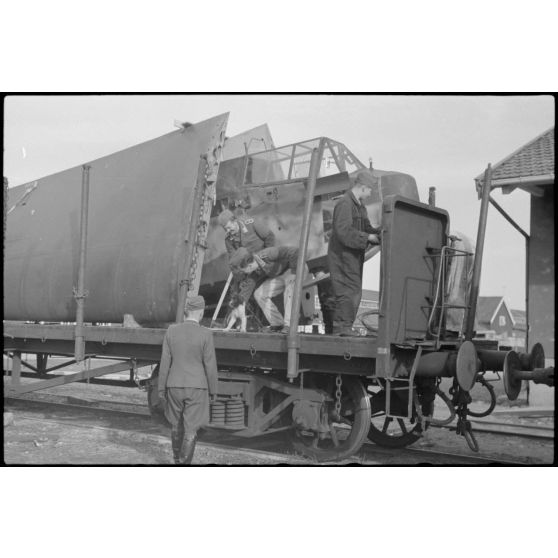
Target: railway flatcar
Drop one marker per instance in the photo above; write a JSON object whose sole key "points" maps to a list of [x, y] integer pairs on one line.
{"points": [[141, 233]]}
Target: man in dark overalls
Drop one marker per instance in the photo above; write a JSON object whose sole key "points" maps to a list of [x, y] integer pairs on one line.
{"points": [[187, 377], [351, 234]]}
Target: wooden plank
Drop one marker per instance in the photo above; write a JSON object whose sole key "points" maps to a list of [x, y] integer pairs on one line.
{"points": [[66, 379], [514, 430], [310, 344]]}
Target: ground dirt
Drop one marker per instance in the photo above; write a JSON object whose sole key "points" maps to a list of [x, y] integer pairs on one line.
{"points": [[38, 436]]}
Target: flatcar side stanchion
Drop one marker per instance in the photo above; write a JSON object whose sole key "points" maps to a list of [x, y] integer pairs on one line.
{"points": [[80, 294], [464, 372], [16, 371], [337, 427], [293, 341]]}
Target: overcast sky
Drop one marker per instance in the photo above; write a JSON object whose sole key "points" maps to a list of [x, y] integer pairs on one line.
{"points": [[443, 141]]}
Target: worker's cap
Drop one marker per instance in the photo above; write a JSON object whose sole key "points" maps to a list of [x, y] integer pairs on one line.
{"points": [[366, 178], [239, 258], [196, 302], [224, 217]]}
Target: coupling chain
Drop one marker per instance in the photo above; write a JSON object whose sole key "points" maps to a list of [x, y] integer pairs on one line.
{"points": [[338, 384], [464, 427], [492, 394]]}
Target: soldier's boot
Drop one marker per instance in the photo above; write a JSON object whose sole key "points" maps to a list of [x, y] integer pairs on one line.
{"points": [[176, 445], [187, 451]]}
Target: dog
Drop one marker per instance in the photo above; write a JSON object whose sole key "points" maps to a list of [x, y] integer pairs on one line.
{"points": [[237, 313]]}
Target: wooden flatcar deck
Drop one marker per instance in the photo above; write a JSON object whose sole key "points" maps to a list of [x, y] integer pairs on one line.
{"points": [[326, 353]]}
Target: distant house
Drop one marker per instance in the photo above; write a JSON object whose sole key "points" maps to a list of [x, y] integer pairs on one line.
{"points": [[496, 321], [520, 327]]}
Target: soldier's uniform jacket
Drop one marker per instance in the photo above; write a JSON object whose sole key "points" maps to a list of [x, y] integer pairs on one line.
{"points": [[188, 358], [272, 262], [252, 234]]}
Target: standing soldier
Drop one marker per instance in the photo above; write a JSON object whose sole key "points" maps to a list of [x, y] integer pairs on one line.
{"points": [[187, 372], [351, 234]]}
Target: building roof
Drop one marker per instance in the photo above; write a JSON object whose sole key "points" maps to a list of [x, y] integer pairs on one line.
{"points": [[487, 308], [528, 166]]}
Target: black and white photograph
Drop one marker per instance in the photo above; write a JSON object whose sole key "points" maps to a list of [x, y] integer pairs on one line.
{"points": [[278, 279], [302, 280]]}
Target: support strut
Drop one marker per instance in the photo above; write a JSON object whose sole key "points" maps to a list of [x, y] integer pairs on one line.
{"points": [[80, 294], [292, 340]]}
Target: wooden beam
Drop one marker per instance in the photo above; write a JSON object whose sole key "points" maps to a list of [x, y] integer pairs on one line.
{"points": [[60, 380]]}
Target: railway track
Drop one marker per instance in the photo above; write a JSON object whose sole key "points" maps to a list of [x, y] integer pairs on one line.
{"points": [[134, 419]]}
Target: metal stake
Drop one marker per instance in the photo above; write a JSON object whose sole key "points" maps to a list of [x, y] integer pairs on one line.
{"points": [[293, 340], [80, 293], [220, 303], [475, 283], [16, 371], [432, 196]]}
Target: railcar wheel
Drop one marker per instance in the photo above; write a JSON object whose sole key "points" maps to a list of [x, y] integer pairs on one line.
{"points": [[344, 435], [389, 432]]}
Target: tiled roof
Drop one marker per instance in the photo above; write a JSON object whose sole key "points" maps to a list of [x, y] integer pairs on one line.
{"points": [[486, 306], [535, 158]]}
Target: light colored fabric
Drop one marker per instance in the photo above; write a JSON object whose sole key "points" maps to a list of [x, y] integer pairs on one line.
{"points": [[459, 279], [272, 287]]}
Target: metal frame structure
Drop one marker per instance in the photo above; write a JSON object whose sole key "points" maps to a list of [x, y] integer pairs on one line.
{"points": [[300, 154]]}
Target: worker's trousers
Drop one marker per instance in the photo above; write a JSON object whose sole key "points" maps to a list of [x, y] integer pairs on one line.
{"points": [[346, 284], [272, 287], [187, 410]]}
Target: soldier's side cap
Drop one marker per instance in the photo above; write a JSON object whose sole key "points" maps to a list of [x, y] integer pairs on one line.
{"points": [[196, 302], [239, 257], [365, 177], [224, 217]]}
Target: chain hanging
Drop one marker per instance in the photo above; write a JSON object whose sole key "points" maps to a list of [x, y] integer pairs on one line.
{"points": [[338, 384], [460, 401]]}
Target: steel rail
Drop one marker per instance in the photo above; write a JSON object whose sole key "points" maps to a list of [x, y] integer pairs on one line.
{"points": [[485, 426], [275, 456], [368, 454], [368, 450]]}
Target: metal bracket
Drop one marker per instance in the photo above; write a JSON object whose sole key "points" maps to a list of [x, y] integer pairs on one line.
{"points": [[410, 380]]}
